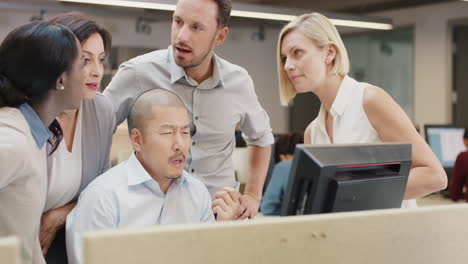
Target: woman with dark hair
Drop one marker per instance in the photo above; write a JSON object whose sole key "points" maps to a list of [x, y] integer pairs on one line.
{"points": [[40, 76], [284, 150], [87, 134]]}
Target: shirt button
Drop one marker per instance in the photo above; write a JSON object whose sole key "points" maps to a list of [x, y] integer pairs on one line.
{"points": [[193, 170], [196, 117]]}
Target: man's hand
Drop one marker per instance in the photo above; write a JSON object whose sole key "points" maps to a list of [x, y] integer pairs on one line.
{"points": [[226, 204], [249, 206]]}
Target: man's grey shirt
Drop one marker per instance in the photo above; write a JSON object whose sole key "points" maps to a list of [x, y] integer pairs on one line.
{"points": [[216, 106]]}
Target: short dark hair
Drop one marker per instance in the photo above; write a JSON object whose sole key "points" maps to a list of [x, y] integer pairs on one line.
{"points": [[286, 144], [224, 12], [83, 27]]}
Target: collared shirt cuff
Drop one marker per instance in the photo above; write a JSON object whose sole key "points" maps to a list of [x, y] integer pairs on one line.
{"points": [[265, 140]]}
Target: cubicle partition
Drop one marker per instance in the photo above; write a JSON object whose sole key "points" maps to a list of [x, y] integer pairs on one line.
{"points": [[429, 235]]}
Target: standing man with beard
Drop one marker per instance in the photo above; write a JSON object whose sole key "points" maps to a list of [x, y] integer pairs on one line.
{"points": [[218, 95]]}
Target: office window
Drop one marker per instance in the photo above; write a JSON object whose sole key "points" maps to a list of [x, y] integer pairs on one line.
{"points": [[384, 59]]}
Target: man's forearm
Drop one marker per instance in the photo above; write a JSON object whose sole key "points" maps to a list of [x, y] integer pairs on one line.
{"points": [[259, 159]]}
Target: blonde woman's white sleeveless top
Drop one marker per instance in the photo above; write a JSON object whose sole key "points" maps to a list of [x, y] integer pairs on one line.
{"points": [[350, 123]]}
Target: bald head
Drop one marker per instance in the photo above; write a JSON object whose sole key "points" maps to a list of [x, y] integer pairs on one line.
{"points": [[160, 135], [144, 109]]}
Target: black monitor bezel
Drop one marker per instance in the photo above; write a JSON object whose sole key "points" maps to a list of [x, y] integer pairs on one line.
{"points": [[348, 154]]}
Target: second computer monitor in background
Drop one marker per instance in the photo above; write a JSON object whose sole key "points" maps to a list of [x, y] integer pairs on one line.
{"points": [[446, 141], [338, 178]]}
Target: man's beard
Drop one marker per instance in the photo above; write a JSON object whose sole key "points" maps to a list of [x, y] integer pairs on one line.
{"points": [[196, 61]]}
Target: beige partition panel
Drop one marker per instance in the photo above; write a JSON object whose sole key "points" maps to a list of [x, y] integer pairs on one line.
{"points": [[10, 250], [429, 235]]}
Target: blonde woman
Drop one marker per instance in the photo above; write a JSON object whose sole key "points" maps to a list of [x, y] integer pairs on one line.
{"points": [[312, 58]]}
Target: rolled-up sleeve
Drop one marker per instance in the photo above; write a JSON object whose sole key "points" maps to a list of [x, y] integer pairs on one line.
{"points": [[106, 135], [96, 210], [255, 123]]}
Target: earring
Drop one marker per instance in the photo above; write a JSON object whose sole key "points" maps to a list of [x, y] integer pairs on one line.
{"points": [[61, 88]]}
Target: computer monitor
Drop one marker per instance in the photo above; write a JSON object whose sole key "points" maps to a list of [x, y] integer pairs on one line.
{"points": [[352, 177], [446, 141]]}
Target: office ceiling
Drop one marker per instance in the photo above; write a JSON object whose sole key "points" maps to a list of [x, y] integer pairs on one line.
{"points": [[347, 6], [357, 7]]}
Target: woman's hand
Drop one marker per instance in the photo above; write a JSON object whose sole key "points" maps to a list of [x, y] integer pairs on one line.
{"points": [[51, 222]]}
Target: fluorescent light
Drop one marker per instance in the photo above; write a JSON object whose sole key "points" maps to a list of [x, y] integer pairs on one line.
{"points": [[361, 24], [261, 15], [235, 13], [125, 3], [336, 22]]}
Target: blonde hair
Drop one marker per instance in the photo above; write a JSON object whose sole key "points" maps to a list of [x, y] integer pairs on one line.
{"points": [[319, 29]]}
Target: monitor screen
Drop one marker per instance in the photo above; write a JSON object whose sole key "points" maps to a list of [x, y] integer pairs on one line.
{"points": [[446, 142], [352, 177]]}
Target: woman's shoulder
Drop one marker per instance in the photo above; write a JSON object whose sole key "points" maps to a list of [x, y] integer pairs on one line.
{"points": [[13, 126], [371, 90], [100, 102], [463, 155], [9, 114], [101, 107], [374, 97], [15, 138], [284, 165]]}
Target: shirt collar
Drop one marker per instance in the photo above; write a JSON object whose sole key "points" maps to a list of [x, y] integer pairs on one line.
{"points": [[321, 115], [178, 72], [39, 131], [342, 97], [138, 175], [217, 76]]}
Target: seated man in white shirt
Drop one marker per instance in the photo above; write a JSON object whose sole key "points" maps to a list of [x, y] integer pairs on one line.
{"points": [[151, 187]]}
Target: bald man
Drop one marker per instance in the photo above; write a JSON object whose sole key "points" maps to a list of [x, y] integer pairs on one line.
{"points": [[151, 187]]}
